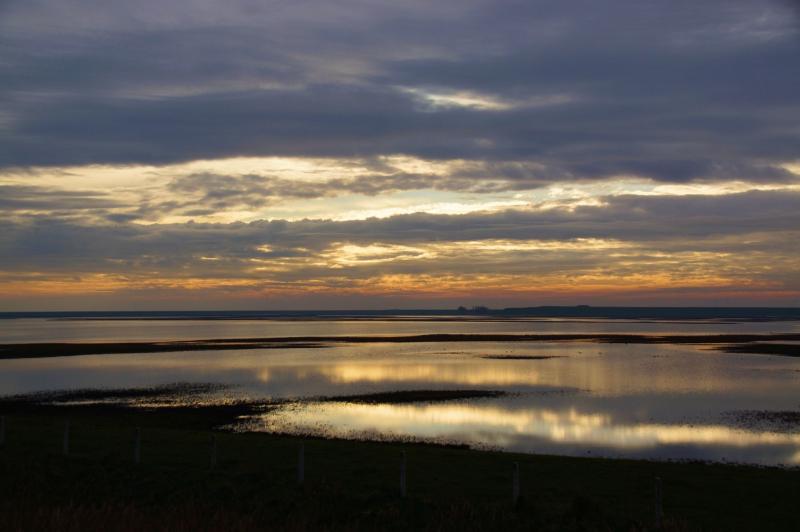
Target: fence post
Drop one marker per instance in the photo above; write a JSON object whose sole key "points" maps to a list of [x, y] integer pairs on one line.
{"points": [[213, 451], [65, 442], [301, 464], [2, 430], [403, 474], [137, 446], [659, 508], [515, 484]]}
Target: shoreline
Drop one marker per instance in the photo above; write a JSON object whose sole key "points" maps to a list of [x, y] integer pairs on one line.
{"points": [[192, 406], [181, 406]]}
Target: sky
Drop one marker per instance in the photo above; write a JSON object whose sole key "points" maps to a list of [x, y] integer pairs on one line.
{"points": [[316, 154]]}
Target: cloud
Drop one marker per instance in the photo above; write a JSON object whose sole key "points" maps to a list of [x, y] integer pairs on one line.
{"points": [[32, 198], [121, 123], [676, 92], [669, 224]]}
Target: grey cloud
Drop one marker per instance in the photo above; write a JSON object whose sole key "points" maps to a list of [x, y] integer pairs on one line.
{"points": [[676, 224], [33, 198], [204, 194], [216, 192], [585, 141], [676, 92]]}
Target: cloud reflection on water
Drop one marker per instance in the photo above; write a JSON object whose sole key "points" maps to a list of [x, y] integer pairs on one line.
{"points": [[659, 401], [530, 429]]}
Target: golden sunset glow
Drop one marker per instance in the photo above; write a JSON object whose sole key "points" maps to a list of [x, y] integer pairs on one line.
{"points": [[356, 265], [403, 177]]}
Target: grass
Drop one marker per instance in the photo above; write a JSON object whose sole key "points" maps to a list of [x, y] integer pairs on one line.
{"points": [[350, 485]]}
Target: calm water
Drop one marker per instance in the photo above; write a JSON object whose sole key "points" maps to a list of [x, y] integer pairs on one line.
{"points": [[658, 401], [63, 330]]}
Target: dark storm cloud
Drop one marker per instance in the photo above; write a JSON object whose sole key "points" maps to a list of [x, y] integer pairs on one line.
{"points": [[586, 141], [674, 91], [139, 61]]}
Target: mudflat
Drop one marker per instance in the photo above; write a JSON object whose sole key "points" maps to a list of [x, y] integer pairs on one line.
{"points": [[732, 343]]}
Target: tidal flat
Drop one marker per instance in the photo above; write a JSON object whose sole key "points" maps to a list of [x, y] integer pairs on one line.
{"points": [[619, 389], [732, 343], [637, 389]]}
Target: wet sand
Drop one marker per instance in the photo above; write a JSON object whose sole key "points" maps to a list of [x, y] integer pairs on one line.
{"points": [[65, 349], [188, 403], [772, 420], [190, 396], [731, 343], [786, 350], [521, 357]]}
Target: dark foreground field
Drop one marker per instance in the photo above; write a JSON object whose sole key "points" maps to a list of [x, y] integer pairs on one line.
{"points": [[348, 485]]}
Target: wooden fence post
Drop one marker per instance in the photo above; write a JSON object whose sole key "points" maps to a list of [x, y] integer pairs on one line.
{"points": [[301, 464], [403, 474], [213, 451], [515, 484], [137, 446], [65, 442], [659, 508]]}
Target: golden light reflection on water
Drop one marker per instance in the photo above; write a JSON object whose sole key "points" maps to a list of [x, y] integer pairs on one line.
{"points": [[607, 370], [470, 374], [632, 399], [473, 422], [601, 374]]}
